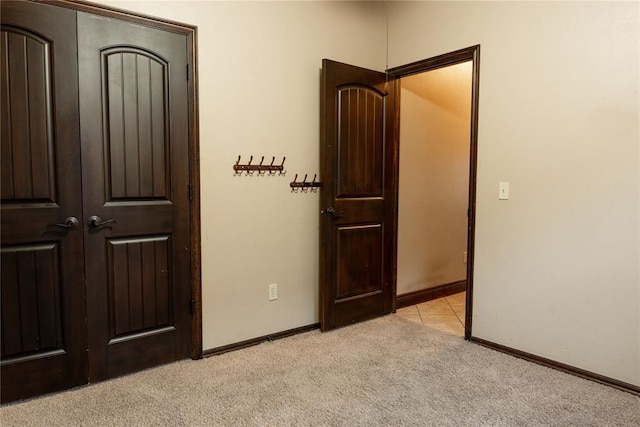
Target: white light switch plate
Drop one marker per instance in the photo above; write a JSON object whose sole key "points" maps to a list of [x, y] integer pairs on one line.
{"points": [[503, 191]]}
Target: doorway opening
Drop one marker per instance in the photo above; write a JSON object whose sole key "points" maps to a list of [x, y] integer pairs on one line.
{"points": [[436, 174], [359, 146]]}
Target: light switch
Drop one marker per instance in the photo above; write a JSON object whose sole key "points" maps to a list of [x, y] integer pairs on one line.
{"points": [[503, 191]]}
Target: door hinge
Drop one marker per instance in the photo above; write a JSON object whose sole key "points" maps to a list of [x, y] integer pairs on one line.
{"points": [[187, 72], [192, 307], [190, 192]]}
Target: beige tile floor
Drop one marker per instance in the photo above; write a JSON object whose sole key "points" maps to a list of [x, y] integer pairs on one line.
{"points": [[445, 314]]}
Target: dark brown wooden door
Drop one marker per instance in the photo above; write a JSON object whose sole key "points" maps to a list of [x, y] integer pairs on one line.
{"points": [[134, 132], [357, 250], [95, 198], [43, 298]]}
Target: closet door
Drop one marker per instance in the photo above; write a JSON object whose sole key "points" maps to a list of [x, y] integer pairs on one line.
{"points": [[43, 299], [134, 132]]}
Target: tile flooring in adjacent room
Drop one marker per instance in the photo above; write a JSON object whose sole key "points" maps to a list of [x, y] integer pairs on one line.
{"points": [[445, 314]]}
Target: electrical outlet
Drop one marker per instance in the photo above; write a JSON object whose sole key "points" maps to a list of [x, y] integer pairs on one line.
{"points": [[464, 257], [273, 291]]}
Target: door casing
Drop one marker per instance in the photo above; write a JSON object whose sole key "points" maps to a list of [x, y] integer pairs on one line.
{"points": [[472, 54]]}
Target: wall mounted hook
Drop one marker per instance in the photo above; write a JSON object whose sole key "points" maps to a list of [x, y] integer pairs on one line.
{"points": [[261, 168], [305, 185], [236, 167]]}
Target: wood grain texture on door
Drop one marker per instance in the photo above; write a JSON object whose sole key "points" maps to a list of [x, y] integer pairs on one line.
{"points": [[43, 300], [135, 147], [357, 226], [360, 142], [136, 105], [97, 251]]}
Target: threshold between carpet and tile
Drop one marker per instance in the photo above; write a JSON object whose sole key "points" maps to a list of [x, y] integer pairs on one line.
{"points": [[445, 314]]}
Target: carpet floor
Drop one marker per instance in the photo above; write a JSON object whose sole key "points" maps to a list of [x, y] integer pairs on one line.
{"points": [[385, 372]]}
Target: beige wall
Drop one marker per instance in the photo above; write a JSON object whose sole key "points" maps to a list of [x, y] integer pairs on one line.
{"points": [[259, 65], [557, 265], [435, 117]]}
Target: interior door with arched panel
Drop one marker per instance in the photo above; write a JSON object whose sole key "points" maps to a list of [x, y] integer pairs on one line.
{"points": [[357, 226], [135, 133], [44, 346]]}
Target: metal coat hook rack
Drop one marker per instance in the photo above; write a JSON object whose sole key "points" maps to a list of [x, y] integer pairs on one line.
{"points": [[305, 186], [261, 168]]}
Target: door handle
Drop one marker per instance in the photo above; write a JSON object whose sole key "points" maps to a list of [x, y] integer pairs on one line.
{"points": [[95, 221], [332, 212], [69, 223]]}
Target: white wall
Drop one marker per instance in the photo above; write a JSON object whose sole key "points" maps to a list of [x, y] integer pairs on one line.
{"points": [[259, 70], [433, 193], [557, 265]]}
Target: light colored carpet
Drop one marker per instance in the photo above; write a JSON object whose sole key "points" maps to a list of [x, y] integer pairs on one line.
{"points": [[386, 372]]}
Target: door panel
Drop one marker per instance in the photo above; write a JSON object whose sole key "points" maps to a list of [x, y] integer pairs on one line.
{"points": [[134, 127], [30, 299], [359, 271], [140, 284], [27, 163], [357, 225], [360, 142], [43, 299], [135, 84]]}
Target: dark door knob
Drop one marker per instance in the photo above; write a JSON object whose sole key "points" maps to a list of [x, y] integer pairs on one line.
{"points": [[69, 222], [332, 212], [95, 221]]}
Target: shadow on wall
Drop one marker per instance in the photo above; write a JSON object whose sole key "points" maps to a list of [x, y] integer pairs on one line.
{"points": [[435, 117]]}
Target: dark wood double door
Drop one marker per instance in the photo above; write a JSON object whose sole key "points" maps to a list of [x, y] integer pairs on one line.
{"points": [[95, 198]]}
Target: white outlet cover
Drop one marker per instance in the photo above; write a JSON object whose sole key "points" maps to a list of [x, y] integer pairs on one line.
{"points": [[273, 291]]}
